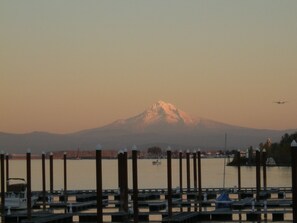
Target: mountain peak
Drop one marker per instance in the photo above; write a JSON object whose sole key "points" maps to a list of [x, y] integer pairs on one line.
{"points": [[165, 112]]}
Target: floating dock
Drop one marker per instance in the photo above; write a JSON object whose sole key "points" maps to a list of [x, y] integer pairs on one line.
{"points": [[275, 206]]}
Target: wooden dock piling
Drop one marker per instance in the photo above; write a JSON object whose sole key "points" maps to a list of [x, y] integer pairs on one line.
{"points": [[258, 175], [99, 183], [125, 182], [43, 181], [264, 157], [29, 194], [238, 173], [120, 179], [2, 188], [7, 168], [294, 178], [135, 184], [169, 182], [51, 166], [65, 176], [181, 171], [188, 170], [199, 179], [195, 176]]}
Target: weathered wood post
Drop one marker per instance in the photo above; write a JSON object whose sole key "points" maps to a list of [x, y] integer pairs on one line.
{"points": [[181, 171], [119, 169], [195, 169], [121, 179], [29, 195], [195, 175], [264, 158], [199, 179], [125, 167], [51, 166], [188, 170], [169, 183], [65, 176], [294, 178], [258, 175], [99, 183], [7, 169], [2, 188], [239, 174], [135, 184], [181, 177], [43, 181]]}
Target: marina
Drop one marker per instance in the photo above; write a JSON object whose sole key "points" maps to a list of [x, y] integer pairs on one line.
{"points": [[276, 205], [186, 199]]}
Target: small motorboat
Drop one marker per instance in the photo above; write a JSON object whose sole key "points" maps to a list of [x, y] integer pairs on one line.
{"points": [[156, 162], [270, 162], [16, 196]]}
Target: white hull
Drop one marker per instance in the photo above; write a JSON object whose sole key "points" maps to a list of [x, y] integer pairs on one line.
{"points": [[18, 203]]}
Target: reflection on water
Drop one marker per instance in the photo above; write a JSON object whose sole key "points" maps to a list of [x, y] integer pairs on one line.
{"points": [[81, 174]]}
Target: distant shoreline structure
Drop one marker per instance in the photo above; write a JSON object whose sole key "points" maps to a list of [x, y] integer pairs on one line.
{"points": [[108, 154]]}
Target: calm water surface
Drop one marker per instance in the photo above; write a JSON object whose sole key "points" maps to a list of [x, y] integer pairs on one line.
{"points": [[81, 174]]}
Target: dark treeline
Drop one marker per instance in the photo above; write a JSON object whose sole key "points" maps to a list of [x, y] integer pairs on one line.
{"points": [[280, 152]]}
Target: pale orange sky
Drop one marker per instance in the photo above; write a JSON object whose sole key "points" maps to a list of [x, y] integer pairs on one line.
{"points": [[73, 65]]}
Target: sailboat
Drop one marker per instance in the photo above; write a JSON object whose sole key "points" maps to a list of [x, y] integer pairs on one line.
{"points": [[223, 200]]}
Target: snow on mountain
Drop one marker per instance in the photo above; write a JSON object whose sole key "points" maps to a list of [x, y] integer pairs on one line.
{"points": [[160, 113]]}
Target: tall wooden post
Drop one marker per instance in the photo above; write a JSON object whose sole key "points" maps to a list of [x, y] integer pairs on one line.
{"points": [[7, 169], [181, 171], [195, 175], [51, 164], [181, 177], [135, 184], [125, 167], [294, 178], [195, 169], [199, 179], [120, 179], [258, 175], [65, 177], [29, 195], [264, 158], [169, 182], [188, 170], [2, 188], [99, 183], [43, 181], [239, 173]]}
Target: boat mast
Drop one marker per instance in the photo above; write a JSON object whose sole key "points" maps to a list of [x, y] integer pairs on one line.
{"points": [[224, 179]]}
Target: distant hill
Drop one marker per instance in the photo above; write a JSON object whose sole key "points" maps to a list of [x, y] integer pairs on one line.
{"points": [[161, 124]]}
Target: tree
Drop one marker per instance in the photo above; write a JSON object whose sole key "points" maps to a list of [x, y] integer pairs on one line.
{"points": [[154, 151], [281, 152]]}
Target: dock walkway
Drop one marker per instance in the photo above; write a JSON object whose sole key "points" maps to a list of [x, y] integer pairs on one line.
{"points": [[81, 207]]}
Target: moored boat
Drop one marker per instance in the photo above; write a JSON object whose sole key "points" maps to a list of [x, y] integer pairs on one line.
{"points": [[16, 196], [156, 162]]}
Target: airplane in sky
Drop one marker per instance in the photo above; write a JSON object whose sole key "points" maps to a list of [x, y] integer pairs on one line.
{"points": [[280, 102]]}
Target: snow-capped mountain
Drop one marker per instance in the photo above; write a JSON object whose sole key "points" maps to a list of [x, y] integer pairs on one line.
{"points": [[159, 125], [160, 114], [164, 112]]}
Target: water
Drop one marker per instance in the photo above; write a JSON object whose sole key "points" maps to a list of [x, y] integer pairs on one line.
{"points": [[81, 174]]}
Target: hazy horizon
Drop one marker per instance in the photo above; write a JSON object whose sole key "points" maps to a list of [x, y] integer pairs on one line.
{"points": [[74, 65]]}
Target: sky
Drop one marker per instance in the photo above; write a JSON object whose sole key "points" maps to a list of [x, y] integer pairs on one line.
{"points": [[66, 66]]}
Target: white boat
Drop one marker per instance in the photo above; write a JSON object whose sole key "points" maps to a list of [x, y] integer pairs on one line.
{"points": [[270, 162], [16, 196], [156, 162]]}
